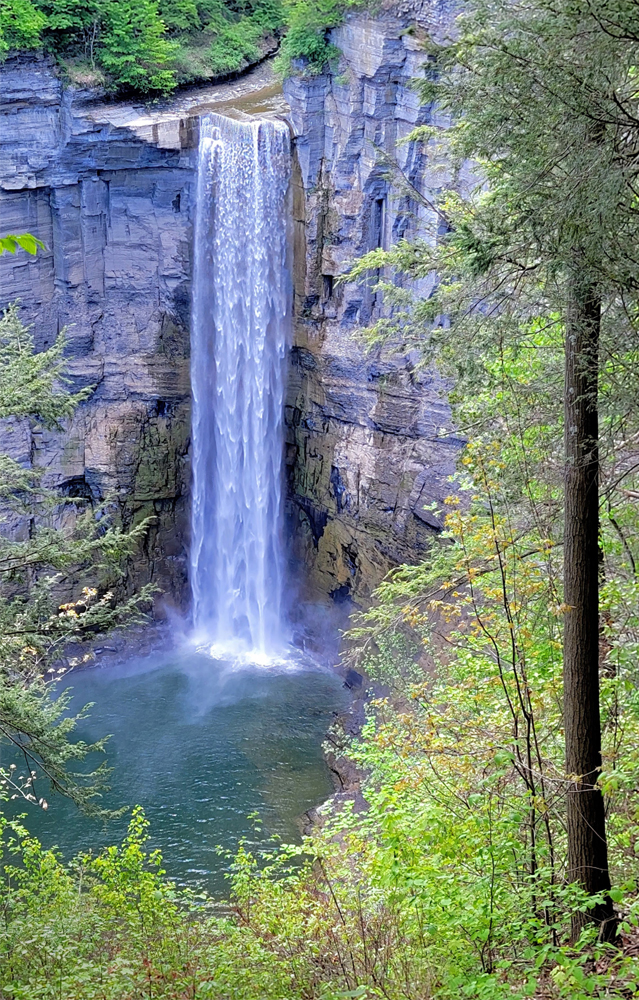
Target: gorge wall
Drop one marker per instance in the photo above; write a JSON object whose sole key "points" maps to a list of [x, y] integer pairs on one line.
{"points": [[114, 210], [110, 191], [369, 437]]}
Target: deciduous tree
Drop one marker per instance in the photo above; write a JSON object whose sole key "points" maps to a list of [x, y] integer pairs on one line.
{"points": [[543, 93]]}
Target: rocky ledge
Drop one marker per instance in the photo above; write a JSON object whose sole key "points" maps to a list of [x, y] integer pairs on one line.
{"points": [[370, 444]]}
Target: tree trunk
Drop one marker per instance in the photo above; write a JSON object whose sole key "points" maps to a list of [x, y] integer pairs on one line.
{"points": [[587, 847]]}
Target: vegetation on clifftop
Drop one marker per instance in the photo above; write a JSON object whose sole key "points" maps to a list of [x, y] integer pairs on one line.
{"points": [[151, 46], [306, 46], [144, 46]]}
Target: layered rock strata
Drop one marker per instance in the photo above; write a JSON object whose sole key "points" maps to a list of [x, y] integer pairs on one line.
{"points": [[114, 209], [370, 447], [110, 191]]}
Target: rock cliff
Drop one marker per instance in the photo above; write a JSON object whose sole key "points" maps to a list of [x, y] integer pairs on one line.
{"points": [[114, 209], [110, 191], [369, 438]]}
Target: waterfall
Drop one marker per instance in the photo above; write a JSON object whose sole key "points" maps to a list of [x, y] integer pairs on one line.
{"points": [[239, 335]]}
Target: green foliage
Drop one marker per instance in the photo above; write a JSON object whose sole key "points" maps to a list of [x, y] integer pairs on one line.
{"points": [[452, 882], [28, 380], [41, 731], [67, 539], [24, 241], [111, 926], [306, 46], [230, 38], [235, 42], [466, 759], [145, 47], [152, 45], [21, 25], [134, 48], [180, 15], [541, 94], [561, 83], [356, 911], [67, 20]]}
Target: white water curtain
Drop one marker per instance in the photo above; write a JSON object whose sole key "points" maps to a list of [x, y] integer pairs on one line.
{"points": [[240, 332]]}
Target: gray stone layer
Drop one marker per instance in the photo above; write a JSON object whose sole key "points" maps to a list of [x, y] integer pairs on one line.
{"points": [[370, 445], [114, 210]]}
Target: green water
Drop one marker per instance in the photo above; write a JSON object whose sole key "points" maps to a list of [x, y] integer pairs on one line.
{"points": [[200, 745]]}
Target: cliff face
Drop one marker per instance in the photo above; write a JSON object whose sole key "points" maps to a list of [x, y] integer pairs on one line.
{"points": [[114, 208], [369, 438], [110, 190]]}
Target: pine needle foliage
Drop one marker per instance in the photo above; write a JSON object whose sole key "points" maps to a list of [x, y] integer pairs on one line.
{"points": [[40, 565]]}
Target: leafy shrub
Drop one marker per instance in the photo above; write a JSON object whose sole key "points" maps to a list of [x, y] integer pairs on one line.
{"points": [[134, 48], [151, 45], [234, 43], [144, 47], [370, 908], [21, 25], [112, 926], [228, 41], [306, 46], [180, 15]]}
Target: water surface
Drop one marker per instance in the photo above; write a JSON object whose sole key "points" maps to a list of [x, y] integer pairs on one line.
{"points": [[200, 745]]}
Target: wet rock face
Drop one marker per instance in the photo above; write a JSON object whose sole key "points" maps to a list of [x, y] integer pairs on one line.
{"points": [[370, 446], [115, 211]]}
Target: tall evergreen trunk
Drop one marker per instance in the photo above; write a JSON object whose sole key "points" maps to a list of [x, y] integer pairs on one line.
{"points": [[587, 847]]}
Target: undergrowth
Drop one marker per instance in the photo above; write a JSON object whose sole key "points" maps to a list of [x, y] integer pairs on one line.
{"points": [[152, 46]]}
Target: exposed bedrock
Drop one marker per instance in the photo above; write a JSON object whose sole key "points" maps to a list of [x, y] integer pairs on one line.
{"points": [[110, 191], [114, 209], [369, 439]]}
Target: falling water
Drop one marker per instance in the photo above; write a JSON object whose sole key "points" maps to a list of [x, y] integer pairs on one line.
{"points": [[240, 325]]}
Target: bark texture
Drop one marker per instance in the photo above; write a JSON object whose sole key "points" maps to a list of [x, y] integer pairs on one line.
{"points": [[587, 847]]}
